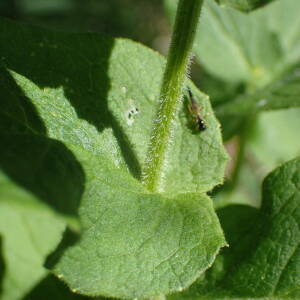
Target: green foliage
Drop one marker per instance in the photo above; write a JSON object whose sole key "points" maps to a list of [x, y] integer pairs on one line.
{"points": [[257, 54], [75, 139], [256, 49], [30, 231], [281, 94], [136, 244], [252, 65], [260, 51], [76, 121], [263, 258], [244, 5], [285, 130]]}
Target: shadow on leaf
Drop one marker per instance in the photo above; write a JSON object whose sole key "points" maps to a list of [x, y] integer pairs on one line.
{"points": [[17, 114], [51, 288], [42, 165], [69, 239], [79, 64], [46, 168]]}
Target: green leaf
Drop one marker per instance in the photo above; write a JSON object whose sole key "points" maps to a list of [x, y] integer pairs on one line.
{"points": [[83, 106], [260, 50], [32, 217], [281, 94], [263, 259], [30, 231], [273, 126], [259, 53], [92, 108], [136, 244], [256, 48], [244, 5]]}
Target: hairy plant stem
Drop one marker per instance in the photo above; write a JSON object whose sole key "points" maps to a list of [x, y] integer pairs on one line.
{"points": [[187, 17]]}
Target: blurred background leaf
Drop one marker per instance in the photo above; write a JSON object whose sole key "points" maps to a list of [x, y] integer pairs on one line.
{"points": [[262, 261], [140, 20], [272, 138], [249, 65], [244, 5]]}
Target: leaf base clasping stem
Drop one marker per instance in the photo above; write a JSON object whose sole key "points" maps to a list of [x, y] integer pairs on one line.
{"points": [[188, 13]]}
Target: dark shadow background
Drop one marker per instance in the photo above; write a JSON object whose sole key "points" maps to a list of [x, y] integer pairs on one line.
{"points": [[140, 20]]}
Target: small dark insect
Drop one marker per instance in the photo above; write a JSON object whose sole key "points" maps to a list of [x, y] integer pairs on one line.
{"points": [[194, 110]]}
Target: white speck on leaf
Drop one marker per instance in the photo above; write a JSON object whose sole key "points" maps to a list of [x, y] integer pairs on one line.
{"points": [[131, 112]]}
